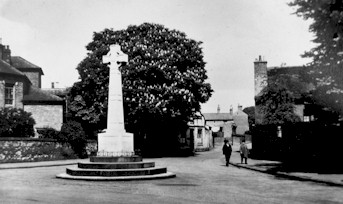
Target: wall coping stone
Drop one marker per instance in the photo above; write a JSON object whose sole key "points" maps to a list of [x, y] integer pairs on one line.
{"points": [[33, 139]]}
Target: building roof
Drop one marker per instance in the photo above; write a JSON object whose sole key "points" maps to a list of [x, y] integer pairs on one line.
{"points": [[61, 92], [8, 69], [24, 65], [324, 84], [218, 116], [38, 95]]}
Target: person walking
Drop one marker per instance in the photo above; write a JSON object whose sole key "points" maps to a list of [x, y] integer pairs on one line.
{"points": [[243, 149], [227, 150]]}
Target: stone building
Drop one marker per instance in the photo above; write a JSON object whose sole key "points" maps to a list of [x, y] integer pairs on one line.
{"points": [[20, 87], [220, 122], [229, 123], [201, 133], [240, 121]]}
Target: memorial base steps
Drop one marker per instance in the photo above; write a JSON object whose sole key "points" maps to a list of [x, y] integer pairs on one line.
{"points": [[116, 168]]}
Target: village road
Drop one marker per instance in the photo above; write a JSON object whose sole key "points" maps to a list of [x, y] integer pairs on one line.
{"points": [[200, 179]]}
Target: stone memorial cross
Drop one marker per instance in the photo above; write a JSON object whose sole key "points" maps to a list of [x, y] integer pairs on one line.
{"points": [[115, 141]]}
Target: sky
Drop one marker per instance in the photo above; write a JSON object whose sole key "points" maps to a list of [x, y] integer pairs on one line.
{"points": [[52, 34]]}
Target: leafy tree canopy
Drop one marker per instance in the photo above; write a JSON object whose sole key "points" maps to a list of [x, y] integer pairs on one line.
{"points": [[16, 123], [276, 104], [327, 26], [250, 111], [163, 80]]}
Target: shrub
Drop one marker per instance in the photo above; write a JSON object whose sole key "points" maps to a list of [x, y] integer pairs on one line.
{"points": [[72, 133], [48, 133], [16, 123]]}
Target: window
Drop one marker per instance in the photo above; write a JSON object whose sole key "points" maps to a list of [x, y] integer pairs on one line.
{"points": [[9, 94], [199, 133], [306, 118]]}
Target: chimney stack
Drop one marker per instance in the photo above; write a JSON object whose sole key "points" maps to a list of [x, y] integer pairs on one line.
{"points": [[5, 52], [231, 110], [218, 109], [261, 81], [260, 70]]}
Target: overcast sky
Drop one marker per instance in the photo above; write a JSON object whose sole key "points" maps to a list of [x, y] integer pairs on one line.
{"points": [[53, 34]]}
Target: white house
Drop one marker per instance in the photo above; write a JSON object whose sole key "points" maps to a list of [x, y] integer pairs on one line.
{"points": [[201, 133]]}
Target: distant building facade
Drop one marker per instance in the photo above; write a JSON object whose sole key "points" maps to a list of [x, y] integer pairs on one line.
{"points": [[228, 123], [240, 121], [20, 87], [201, 133], [220, 122]]}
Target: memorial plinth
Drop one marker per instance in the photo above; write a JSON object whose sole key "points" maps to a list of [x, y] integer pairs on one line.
{"points": [[115, 159]]}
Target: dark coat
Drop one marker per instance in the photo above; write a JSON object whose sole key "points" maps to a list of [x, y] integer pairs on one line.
{"points": [[227, 149]]}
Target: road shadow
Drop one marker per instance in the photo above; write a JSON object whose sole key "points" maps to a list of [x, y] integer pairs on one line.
{"points": [[302, 163], [304, 167]]}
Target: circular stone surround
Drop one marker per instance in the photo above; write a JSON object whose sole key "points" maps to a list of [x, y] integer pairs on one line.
{"points": [[119, 168]]}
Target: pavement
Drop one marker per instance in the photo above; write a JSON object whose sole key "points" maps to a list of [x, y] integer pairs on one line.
{"points": [[268, 167], [22, 165], [263, 166]]}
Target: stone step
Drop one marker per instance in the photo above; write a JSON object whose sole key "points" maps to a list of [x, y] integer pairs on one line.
{"points": [[115, 165], [116, 159], [116, 178], [115, 172]]}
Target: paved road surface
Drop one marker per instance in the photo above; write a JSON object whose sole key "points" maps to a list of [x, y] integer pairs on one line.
{"points": [[200, 179]]}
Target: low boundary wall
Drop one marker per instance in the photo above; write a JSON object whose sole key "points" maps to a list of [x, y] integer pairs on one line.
{"points": [[35, 149]]}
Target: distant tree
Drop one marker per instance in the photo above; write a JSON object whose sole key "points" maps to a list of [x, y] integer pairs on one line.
{"points": [[72, 133], [250, 111], [329, 88], [15, 122], [327, 26], [163, 82], [48, 133], [328, 107], [276, 104]]}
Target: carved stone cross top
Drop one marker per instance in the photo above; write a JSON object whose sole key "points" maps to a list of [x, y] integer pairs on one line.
{"points": [[115, 55]]}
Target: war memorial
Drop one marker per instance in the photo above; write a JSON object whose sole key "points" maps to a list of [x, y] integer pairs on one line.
{"points": [[116, 159]]}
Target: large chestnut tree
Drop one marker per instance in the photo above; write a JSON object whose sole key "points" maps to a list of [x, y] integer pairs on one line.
{"points": [[163, 82]]}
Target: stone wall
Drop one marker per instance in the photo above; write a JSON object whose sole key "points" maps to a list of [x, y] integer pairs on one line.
{"points": [[32, 149], [46, 115]]}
